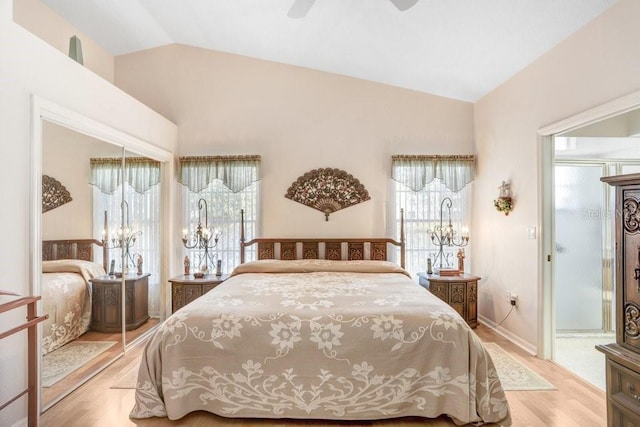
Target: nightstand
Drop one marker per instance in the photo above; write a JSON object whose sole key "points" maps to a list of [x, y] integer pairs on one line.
{"points": [[460, 292], [106, 304], [186, 288]]}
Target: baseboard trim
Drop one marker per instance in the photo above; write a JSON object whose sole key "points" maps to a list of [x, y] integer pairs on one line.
{"points": [[529, 348]]}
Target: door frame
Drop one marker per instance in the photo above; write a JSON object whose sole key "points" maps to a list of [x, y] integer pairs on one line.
{"points": [[546, 247]]}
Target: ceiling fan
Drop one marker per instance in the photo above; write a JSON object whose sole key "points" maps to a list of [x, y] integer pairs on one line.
{"points": [[300, 8]]}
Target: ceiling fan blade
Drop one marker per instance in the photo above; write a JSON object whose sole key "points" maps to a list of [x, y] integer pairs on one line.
{"points": [[300, 8], [403, 5]]}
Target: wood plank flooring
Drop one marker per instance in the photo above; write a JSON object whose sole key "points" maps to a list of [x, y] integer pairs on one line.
{"points": [[575, 403], [54, 393]]}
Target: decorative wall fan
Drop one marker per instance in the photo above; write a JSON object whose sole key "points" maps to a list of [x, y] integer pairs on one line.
{"points": [[54, 194], [300, 8], [327, 190]]}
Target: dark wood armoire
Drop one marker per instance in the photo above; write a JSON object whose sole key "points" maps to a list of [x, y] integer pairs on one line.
{"points": [[623, 356]]}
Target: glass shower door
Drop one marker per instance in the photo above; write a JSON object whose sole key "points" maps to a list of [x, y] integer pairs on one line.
{"points": [[580, 221]]}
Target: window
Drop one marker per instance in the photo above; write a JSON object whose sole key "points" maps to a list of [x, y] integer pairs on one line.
{"points": [[421, 183], [227, 184], [142, 213]]}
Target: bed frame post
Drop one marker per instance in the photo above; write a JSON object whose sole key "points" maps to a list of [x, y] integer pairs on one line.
{"points": [[402, 255], [241, 236], [105, 238]]}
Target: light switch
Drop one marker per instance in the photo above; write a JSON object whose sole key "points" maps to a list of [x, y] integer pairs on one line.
{"points": [[531, 233]]}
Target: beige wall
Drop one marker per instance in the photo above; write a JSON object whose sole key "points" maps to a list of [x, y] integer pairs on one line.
{"points": [[30, 66], [595, 65], [40, 20], [297, 120], [66, 157]]}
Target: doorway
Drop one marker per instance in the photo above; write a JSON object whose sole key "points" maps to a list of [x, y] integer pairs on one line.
{"points": [[584, 248]]}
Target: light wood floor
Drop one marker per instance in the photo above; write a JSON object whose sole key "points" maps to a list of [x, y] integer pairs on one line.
{"points": [[58, 390], [575, 403]]}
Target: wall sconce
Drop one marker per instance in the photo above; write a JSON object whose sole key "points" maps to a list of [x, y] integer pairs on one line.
{"points": [[124, 238], [445, 235], [203, 238], [504, 202]]}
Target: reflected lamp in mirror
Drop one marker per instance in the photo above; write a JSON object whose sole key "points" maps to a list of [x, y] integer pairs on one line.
{"points": [[203, 239], [124, 238], [504, 202], [445, 235]]}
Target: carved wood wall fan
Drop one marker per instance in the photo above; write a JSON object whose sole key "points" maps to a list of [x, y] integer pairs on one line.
{"points": [[301, 8], [54, 194], [327, 190]]}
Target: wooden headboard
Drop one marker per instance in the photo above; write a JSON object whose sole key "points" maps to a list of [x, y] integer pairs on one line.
{"points": [[72, 249], [331, 248]]}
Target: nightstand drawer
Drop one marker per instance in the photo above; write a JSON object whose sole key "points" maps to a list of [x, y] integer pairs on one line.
{"points": [[185, 289], [106, 306], [207, 288], [460, 292]]}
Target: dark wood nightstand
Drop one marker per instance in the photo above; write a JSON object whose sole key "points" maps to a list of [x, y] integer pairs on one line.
{"points": [[106, 307], [186, 288], [460, 292]]}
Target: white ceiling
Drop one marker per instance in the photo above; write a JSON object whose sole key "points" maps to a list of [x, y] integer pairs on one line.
{"points": [[460, 49]]}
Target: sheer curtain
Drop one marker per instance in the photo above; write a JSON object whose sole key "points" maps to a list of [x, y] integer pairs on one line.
{"points": [[142, 195], [227, 184], [419, 185]]}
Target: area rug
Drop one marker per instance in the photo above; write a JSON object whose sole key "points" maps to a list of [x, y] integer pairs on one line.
{"points": [[513, 374], [63, 361]]}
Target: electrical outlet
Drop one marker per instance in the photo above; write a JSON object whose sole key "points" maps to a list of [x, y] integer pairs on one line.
{"points": [[513, 300]]}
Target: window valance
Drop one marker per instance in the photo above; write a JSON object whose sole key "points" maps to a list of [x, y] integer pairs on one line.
{"points": [[140, 173], [236, 172], [416, 171]]}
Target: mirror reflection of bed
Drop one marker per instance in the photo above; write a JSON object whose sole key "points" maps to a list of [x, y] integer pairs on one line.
{"points": [[84, 331]]}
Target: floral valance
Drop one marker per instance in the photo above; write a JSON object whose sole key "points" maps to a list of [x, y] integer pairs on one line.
{"points": [[236, 172], [139, 172], [417, 171]]}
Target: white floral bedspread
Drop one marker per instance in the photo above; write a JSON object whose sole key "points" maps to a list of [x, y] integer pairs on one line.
{"points": [[66, 298], [302, 341]]}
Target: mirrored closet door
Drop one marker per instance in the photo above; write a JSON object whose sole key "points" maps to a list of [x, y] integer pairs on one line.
{"points": [[81, 252], [99, 209]]}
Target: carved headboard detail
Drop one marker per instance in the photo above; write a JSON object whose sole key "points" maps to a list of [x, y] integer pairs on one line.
{"points": [[72, 249], [331, 248]]}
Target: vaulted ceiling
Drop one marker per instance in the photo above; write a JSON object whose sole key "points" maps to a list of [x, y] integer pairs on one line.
{"points": [[460, 49]]}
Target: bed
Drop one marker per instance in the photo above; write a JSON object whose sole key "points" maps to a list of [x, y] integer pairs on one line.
{"points": [[67, 267], [345, 337]]}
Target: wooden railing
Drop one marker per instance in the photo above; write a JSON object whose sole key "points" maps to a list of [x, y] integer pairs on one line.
{"points": [[32, 353]]}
